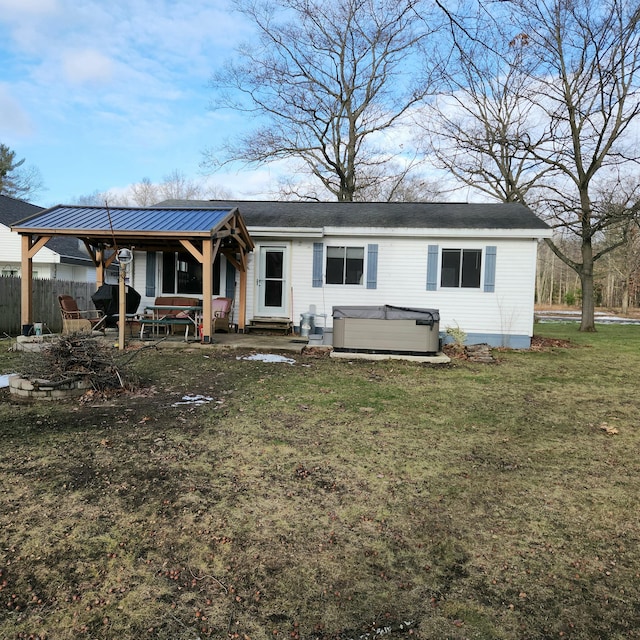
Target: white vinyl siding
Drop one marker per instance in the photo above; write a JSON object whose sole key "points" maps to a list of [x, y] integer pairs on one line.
{"points": [[401, 273], [46, 263], [401, 269]]}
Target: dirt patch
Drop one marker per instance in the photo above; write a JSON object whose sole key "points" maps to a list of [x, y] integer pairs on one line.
{"points": [[542, 343]]}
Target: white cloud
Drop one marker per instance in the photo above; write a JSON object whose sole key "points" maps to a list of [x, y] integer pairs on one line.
{"points": [[120, 85], [11, 8], [27, 23], [15, 121], [87, 65], [261, 183]]}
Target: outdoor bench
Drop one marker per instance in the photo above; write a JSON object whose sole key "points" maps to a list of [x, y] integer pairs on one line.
{"points": [[168, 312]]}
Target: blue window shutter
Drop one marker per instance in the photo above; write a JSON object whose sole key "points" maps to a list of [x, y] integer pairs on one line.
{"points": [[372, 266], [490, 269], [432, 267], [150, 284], [230, 281], [317, 264]]}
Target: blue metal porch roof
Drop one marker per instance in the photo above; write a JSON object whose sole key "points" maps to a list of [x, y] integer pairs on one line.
{"points": [[86, 220]]}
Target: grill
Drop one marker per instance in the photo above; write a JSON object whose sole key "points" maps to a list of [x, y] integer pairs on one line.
{"points": [[106, 299]]}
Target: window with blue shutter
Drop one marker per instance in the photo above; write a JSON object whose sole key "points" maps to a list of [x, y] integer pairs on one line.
{"points": [[432, 267], [317, 264], [372, 266], [490, 269]]}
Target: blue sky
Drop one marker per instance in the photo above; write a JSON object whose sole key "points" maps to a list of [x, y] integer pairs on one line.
{"points": [[98, 94]]}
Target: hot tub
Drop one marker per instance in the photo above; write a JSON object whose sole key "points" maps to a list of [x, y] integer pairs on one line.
{"points": [[386, 329]]}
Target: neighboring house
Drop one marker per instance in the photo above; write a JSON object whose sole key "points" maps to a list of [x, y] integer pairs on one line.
{"points": [[475, 263], [60, 259]]}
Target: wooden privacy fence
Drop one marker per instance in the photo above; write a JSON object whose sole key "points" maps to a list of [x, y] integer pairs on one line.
{"points": [[45, 302]]}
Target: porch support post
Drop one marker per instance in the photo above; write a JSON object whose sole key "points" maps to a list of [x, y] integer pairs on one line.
{"points": [[240, 263], [242, 310], [99, 258], [99, 262], [26, 288], [208, 256], [30, 246]]}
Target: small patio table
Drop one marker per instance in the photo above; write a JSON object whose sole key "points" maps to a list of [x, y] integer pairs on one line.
{"points": [[160, 317]]}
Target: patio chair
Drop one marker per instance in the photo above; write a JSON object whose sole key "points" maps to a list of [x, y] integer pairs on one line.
{"points": [[221, 308], [77, 320]]}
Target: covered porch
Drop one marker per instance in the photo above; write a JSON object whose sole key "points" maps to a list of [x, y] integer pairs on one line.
{"points": [[202, 233]]}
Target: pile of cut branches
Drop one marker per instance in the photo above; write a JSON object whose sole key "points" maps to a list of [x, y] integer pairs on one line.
{"points": [[76, 357]]}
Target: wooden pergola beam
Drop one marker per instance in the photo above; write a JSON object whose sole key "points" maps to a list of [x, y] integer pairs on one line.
{"points": [[189, 246]]}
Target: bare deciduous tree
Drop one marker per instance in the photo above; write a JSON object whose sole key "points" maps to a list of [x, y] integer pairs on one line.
{"points": [[17, 179], [397, 185], [477, 126], [174, 186], [401, 187], [618, 275], [144, 193], [572, 97], [324, 79], [99, 198]]}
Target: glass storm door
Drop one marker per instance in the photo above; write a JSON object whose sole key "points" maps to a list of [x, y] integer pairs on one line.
{"points": [[272, 282]]}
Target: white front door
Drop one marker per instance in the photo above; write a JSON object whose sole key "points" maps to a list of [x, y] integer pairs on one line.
{"points": [[272, 284]]}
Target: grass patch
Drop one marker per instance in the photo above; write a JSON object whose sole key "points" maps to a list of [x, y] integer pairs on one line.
{"points": [[331, 498]]}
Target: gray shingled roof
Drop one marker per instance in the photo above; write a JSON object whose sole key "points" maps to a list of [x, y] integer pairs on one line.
{"points": [[415, 215], [12, 210]]}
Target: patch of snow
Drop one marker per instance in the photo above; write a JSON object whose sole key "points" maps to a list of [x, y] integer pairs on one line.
{"points": [[196, 400], [4, 380], [267, 357], [600, 317]]}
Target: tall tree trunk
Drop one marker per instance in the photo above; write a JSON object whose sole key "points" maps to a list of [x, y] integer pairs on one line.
{"points": [[586, 279], [625, 296]]}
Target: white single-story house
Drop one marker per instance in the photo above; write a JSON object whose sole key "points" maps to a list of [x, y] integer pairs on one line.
{"points": [[60, 259], [475, 263]]}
